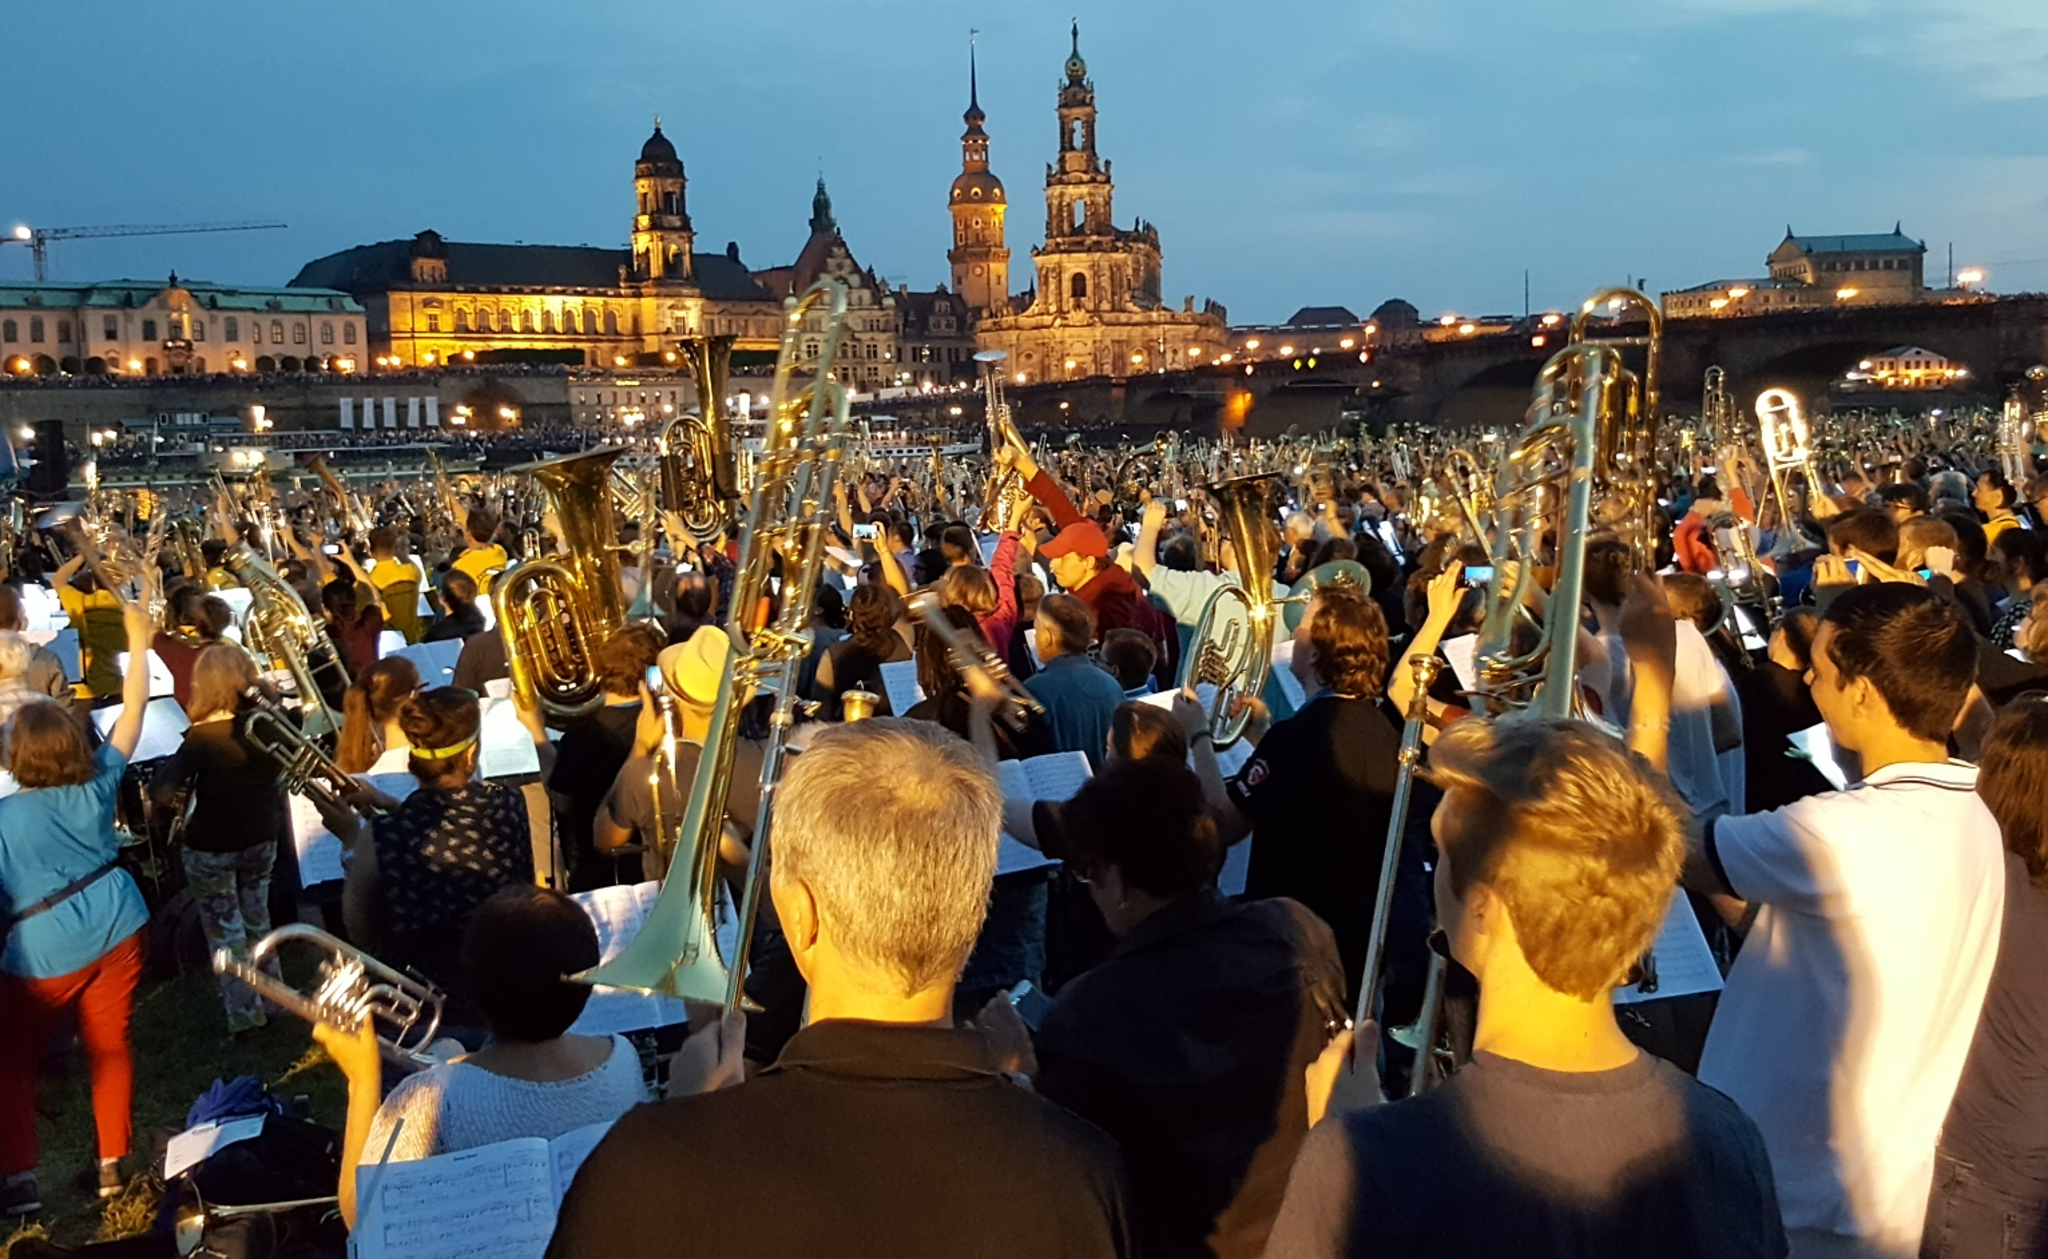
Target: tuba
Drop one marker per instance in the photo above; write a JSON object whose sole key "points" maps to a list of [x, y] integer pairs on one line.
{"points": [[350, 988], [1006, 497], [696, 451], [1232, 649], [280, 628], [788, 505], [554, 613]]}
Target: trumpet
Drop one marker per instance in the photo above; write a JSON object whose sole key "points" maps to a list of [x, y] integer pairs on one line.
{"points": [[304, 768], [676, 950], [975, 660], [351, 989]]}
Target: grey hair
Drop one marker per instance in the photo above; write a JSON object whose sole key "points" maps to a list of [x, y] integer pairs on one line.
{"points": [[892, 825], [15, 654]]}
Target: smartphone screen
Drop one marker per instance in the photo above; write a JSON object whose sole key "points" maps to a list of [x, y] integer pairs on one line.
{"points": [[1477, 575], [867, 533], [1855, 569], [331, 549]]}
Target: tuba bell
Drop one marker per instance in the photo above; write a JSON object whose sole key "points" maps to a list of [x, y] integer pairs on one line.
{"points": [[1232, 647], [1006, 498], [554, 613], [695, 451]]}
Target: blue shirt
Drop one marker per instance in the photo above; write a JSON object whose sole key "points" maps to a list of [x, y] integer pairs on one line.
{"points": [[1080, 700], [50, 836]]}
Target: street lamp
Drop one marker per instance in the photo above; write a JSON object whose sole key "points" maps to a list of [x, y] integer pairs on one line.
{"points": [[1970, 278]]}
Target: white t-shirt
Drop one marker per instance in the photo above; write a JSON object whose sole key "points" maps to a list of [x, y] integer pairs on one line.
{"points": [[1846, 1019]]}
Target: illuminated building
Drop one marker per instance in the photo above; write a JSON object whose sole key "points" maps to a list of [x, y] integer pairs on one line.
{"points": [[1816, 272], [176, 328], [1906, 367], [979, 258], [1097, 309]]}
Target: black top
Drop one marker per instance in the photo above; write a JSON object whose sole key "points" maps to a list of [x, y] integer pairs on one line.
{"points": [[2004, 679], [631, 804], [462, 624], [443, 853], [1188, 1046], [1509, 1159], [1998, 1122], [855, 668], [592, 751], [482, 660], [236, 801], [1776, 704], [1319, 793], [862, 1139]]}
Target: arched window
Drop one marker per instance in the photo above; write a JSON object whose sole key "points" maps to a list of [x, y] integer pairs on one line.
{"points": [[462, 321], [611, 322], [526, 321], [1078, 286], [277, 332]]}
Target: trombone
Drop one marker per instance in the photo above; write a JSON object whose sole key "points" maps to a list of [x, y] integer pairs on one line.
{"points": [[676, 950]]}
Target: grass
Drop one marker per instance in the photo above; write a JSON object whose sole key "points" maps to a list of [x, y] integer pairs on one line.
{"points": [[181, 1046]]}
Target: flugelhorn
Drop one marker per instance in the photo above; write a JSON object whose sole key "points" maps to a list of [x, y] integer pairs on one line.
{"points": [[789, 497], [972, 658], [304, 768], [1232, 647], [553, 613], [350, 988]]}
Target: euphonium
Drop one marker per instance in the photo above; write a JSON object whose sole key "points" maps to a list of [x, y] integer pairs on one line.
{"points": [[279, 627], [554, 612], [698, 478], [1232, 648], [1545, 485], [350, 988], [1006, 498], [676, 950], [1625, 467], [1788, 447]]}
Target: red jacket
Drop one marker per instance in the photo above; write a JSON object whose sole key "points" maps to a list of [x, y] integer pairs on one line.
{"points": [[1113, 595]]}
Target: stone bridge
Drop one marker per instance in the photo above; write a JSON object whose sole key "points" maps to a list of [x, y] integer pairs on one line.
{"points": [[1486, 379]]}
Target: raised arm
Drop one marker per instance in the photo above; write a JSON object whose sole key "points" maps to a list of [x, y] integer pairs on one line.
{"points": [[1146, 552], [127, 731], [1444, 597]]}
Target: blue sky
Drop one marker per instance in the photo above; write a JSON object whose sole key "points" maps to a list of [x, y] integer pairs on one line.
{"points": [[1290, 154]]}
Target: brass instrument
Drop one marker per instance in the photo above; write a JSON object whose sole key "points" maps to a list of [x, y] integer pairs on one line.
{"points": [[788, 506], [1006, 497], [353, 507], [351, 988], [1719, 420], [280, 628], [698, 474], [1233, 649], [1788, 447], [2016, 431], [972, 658], [858, 705], [1462, 477], [1544, 485], [303, 766], [553, 613], [1425, 669], [1625, 467]]}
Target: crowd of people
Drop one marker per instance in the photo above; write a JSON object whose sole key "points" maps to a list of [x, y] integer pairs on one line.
{"points": [[1832, 769]]}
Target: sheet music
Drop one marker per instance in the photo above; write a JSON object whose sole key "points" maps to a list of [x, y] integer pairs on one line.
{"points": [[319, 849], [1463, 654], [899, 683], [567, 1153], [161, 682], [163, 727], [492, 1202], [505, 746], [1057, 776], [63, 644], [1685, 965], [1283, 675], [196, 1145], [618, 914], [435, 661]]}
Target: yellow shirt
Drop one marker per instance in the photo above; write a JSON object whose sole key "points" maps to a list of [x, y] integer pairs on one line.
{"points": [[393, 570], [102, 636], [481, 561], [220, 579]]}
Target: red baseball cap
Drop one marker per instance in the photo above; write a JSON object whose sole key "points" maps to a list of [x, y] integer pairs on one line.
{"points": [[1083, 537]]}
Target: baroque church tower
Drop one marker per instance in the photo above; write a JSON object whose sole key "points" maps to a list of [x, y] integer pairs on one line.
{"points": [[981, 261], [662, 238]]}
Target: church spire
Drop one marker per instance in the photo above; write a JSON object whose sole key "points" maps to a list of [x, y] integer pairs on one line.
{"points": [[973, 117], [821, 210]]}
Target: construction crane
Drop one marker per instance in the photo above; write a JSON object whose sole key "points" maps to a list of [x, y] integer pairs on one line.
{"points": [[38, 238]]}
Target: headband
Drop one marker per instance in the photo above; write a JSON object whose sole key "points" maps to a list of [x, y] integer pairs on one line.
{"points": [[448, 753]]}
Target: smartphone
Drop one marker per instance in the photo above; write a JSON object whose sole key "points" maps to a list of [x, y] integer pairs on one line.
{"points": [[1476, 575], [1855, 568], [866, 533], [1180, 504], [1925, 573], [332, 548], [1031, 1004]]}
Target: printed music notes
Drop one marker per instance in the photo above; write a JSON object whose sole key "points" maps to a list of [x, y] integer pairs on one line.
{"points": [[618, 913], [1685, 965], [1052, 777], [492, 1202], [899, 683]]}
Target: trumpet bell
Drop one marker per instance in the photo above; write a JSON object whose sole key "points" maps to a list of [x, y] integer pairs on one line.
{"points": [[1337, 574], [858, 705]]}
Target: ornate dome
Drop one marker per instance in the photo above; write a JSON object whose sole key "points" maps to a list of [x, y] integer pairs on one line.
{"points": [[1077, 69], [658, 150], [978, 186]]}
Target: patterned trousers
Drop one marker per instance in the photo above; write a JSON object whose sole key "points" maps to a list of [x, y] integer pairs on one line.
{"points": [[232, 890]]}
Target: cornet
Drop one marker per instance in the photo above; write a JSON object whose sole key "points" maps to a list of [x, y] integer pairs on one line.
{"points": [[350, 988], [972, 658]]}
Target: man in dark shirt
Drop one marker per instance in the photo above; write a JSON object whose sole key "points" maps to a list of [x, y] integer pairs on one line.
{"points": [[594, 748], [460, 618], [881, 1129], [1559, 851], [1319, 787], [1188, 1044]]}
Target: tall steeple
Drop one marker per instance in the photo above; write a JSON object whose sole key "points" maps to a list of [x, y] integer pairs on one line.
{"points": [[1077, 188], [980, 260], [662, 238], [821, 210]]}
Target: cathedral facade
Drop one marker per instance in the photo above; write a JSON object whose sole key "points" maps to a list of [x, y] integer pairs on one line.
{"points": [[1097, 308]]}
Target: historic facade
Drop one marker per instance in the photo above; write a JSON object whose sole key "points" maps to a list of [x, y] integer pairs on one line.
{"points": [[1808, 272], [177, 328], [979, 258], [868, 349], [1097, 309], [430, 300]]}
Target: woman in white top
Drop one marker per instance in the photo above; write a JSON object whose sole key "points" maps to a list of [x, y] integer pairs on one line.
{"points": [[534, 1079], [371, 740]]}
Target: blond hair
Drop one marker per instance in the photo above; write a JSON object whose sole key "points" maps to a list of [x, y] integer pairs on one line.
{"points": [[1580, 837], [892, 825], [220, 675]]}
